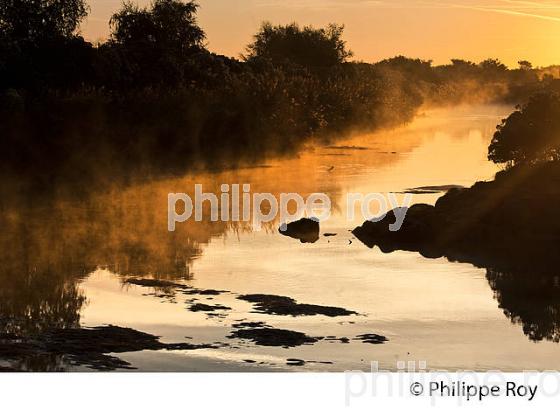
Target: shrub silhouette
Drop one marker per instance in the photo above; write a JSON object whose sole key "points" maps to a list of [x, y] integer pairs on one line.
{"points": [[308, 47], [39, 47], [40, 20], [530, 134], [156, 43], [525, 65]]}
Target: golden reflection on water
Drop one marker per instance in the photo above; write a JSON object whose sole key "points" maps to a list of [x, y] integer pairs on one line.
{"points": [[59, 257]]}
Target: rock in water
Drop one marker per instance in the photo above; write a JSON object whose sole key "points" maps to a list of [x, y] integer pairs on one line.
{"points": [[306, 230], [273, 337], [283, 305]]}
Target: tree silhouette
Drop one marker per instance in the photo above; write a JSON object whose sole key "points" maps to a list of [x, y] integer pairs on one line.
{"points": [[169, 25], [40, 20], [40, 48], [307, 46], [155, 43], [525, 65], [492, 64], [530, 134], [492, 69]]}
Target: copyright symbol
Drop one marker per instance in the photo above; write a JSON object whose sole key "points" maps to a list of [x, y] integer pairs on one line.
{"points": [[416, 389]]}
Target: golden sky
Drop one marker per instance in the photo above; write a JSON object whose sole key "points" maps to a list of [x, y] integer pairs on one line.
{"points": [[375, 29]]}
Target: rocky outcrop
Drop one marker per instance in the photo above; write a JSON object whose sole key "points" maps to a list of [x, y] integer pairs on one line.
{"points": [[511, 223]]}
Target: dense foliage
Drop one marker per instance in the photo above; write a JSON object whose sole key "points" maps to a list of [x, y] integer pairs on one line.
{"points": [[36, 21], [157, 43], [153, 96], [530, 134], [307, 46]]}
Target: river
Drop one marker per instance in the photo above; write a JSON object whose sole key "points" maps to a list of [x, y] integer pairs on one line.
{"points": [[66, 262]]}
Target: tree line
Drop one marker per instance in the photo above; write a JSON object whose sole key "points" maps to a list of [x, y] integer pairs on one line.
{"points": [[152, 95]]}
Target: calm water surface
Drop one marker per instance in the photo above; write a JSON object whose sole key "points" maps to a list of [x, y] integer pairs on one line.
{"points": [[65, 264]]}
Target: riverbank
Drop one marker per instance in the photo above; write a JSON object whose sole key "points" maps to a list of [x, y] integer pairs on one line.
{"points": [[255, 114], [509, 224]]}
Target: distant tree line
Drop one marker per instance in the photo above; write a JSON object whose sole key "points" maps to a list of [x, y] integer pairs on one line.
{"points": [[153, 94]]}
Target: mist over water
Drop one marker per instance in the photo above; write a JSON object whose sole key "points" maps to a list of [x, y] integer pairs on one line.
{"points": [[64, 262]]}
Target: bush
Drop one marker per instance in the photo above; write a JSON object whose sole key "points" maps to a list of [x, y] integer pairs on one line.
{"points": [[530, 134], [307, 47]]}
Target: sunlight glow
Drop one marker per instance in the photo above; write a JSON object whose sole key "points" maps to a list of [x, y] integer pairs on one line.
{"points": [[510, 30]]}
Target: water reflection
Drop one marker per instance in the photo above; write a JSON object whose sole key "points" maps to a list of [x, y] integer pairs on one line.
{"points": [[531, 300], [38, 287], [49, 245]]}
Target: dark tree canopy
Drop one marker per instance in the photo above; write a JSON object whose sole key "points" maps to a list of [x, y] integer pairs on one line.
{"points": [[525, 65], [457, 62], [39, 20], [493, 64], [154, 45], [303, 46], [169, 25], [530, 134], [411, 67]]}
